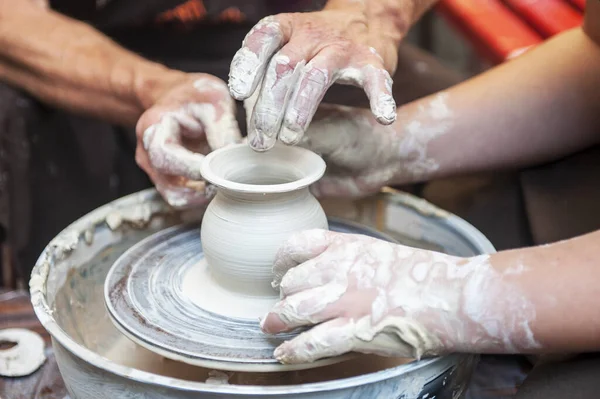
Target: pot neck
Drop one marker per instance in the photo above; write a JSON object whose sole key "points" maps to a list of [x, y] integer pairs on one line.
{"points": [[263, 197]]}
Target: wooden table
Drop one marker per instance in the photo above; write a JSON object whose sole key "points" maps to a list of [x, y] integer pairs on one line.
{"points": [[496, 377]]}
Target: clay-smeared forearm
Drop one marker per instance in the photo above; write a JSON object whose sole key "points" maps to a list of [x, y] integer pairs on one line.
{"points": [[533, 300], [537, 108], [559, 281], [70, 65]]}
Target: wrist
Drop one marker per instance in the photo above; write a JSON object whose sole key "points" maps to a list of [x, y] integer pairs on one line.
{"points": [[458, 296], [492, 313], [431, 291], [150, 82]]}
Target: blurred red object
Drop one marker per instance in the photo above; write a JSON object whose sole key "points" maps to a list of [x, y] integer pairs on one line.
{"points": [[548, 17], [580, 4], [500, 30]]}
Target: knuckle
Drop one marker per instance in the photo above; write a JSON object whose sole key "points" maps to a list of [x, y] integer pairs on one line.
{"points": [[317, 75], [342, 239], [372, 59], [210, 85], [268, 26], [294, 241], [343, 45], [278, 18], [286, 60]]}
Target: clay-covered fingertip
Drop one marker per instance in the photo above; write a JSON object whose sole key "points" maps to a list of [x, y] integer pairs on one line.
{"points": [[281, 354], [259, 148], [386, 120], [286, 354], [290, 137], [272, 324], [238, 95], [259, 145]]}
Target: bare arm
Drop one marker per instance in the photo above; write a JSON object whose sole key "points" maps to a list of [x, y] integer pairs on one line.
{"points": [[537, 108], [560, 283], [70, 65]]}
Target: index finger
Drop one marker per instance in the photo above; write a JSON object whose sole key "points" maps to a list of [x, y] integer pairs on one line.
{"points": [[377, 84], [250, 61]]}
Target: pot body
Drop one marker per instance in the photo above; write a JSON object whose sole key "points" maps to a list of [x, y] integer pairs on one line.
{"points": [[242, 232]]}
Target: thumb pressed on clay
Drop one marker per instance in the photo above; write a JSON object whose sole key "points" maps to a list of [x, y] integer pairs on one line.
{"points": [[332, 338], [310, 307], [299, 248], [311, 274], [272, 324]]}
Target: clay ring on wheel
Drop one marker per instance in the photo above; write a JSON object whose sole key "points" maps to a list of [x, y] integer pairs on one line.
{"points": [[25, 356]]}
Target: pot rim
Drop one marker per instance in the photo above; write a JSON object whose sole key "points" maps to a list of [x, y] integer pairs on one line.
{"points": [[287, 153], [45, 314]]}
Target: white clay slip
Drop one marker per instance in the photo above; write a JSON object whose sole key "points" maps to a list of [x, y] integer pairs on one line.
{"points": [[25, 356]]}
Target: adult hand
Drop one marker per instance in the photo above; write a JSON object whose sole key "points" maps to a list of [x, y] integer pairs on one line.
{"points": [[292, 59], [372, 296], [193, 116]]}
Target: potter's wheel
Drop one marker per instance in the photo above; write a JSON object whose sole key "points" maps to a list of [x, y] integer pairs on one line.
{"points": [[161, 295], [97, 362]]}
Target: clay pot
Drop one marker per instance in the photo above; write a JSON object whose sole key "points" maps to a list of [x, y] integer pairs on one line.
{"points": [[262, 199]]}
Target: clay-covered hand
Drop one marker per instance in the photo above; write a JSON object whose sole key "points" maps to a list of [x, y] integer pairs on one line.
{"points": [[292, 59], [361, 155], [195, 115], [373, 296]]}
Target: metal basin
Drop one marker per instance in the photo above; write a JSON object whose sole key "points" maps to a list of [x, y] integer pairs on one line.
{"points": [[98, 362]]}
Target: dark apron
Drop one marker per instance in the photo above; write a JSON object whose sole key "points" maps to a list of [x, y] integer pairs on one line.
{"points": [[192, 35]]}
